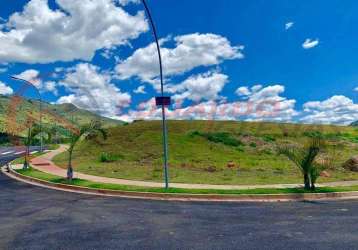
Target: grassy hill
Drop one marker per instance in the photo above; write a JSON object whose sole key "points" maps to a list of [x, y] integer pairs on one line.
{"points": [[18, 111], [219, 152]]}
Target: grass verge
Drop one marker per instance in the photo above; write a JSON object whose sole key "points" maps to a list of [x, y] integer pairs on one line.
{"points": [[89, 184]]}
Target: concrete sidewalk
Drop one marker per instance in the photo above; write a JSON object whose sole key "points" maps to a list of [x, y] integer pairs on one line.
{"points": [[44, 163]]}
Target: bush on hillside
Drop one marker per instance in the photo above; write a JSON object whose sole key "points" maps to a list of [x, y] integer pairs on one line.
{"points": [[313, 134], [253, 145], [219, 137], [108, 157], [268, 138]]}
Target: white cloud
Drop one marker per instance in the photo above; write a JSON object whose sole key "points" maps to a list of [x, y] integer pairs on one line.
{"points": [[190, 51], [337, 109], [262, 104], [140, 90], [3, 70], [39, 34], [5, 90], [93, 90], [309, 43], [266, 103], [356, 89], [243, 91], [32, 76], [199, 87], [270, 93], [50, 86], [256, 88], [289, 25]]}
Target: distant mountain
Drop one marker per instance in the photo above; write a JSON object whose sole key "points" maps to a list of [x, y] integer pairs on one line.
{"points": [[354, 124], [18, 111]]}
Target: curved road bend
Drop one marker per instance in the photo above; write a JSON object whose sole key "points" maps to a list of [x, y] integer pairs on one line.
{"points": [[39, 218], [8, 154]]}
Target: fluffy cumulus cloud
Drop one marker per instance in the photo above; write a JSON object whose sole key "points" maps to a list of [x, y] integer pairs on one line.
{"points": [[261, 103], [33, 76], [337, 109], [266, 103], [309, 43], [200, 87], [243, 91], [39, 34], [5, 90], [189, 52], [93, 90]]}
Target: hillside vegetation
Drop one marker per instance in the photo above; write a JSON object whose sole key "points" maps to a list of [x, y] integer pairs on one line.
{"points": [[14, 112], [219, 152]]}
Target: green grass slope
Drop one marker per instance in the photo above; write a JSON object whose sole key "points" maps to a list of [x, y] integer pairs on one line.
{"points": [[59, 114], [211, 152]]}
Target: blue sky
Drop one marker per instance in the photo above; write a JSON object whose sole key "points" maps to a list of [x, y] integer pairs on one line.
{"points": [[277, 60]]}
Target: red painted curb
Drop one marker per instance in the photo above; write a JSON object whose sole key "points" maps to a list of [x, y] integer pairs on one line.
{"points": [[185, 197]]}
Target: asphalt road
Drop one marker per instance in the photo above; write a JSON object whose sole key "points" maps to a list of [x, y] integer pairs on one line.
{"points": [[38, 218], [8, 154]]}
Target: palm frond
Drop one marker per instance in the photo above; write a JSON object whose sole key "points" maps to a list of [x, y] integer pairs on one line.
{"points": [[86, 131], [292, 153]]}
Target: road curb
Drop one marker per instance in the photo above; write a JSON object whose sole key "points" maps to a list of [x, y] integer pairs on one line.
{"points": [[183, 197]]}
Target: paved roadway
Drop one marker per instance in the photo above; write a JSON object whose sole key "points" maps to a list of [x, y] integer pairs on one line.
{"points": [[8, 154], [38, 218]]}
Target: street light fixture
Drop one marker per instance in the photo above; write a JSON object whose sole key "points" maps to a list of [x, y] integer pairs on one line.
{"points": [[162, 100], [38, 92]]}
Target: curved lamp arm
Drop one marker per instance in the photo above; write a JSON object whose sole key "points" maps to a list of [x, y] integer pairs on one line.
{"points": [[165, 142], [38, 92]]}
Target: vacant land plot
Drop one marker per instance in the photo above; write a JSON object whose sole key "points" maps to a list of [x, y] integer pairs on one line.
{"points": [[212, 152]]}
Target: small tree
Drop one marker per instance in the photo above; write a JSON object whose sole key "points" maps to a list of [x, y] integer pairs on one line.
{"points": [[28, 141], [304, 157], [86, 131], [34, 130]]}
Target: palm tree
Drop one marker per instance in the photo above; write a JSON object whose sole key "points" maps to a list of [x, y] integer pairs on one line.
{"points": [[304, 158], [85, 132]]}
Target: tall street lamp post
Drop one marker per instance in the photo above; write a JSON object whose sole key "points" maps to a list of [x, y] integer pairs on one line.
{"points": [[38, 92], [162, 100]]}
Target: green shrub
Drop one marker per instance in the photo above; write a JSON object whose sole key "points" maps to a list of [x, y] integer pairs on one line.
{"points": [[224, 138], [218, 137], [194, 133], [108, 157], [313, 134], [253, 145], [268, 138], [241, 149]]}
